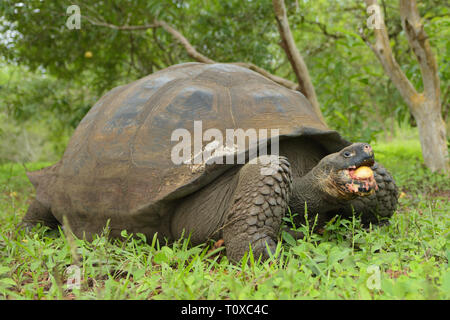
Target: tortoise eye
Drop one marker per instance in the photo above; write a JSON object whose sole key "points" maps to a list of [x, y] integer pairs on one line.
{"points": [[347, 154]]}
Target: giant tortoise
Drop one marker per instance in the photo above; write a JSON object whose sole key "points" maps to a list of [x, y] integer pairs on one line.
{"points": [[118, 166]]}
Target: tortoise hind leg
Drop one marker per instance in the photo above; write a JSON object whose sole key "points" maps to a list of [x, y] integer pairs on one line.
{"points": [[244, 206], [376, 208], [39, 213], [257, 208]]}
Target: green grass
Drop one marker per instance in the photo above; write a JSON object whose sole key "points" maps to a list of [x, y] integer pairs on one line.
{"points": [[409, 257]]}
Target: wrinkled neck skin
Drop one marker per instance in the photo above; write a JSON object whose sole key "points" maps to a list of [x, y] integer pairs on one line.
{"points": [[309, 189]]}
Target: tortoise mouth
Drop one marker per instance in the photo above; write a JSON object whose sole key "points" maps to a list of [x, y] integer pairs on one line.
{"points": [[358, 184]]}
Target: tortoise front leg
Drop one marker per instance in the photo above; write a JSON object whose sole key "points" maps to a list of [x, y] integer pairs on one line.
{"points": [[378, 207], [257, 207]]}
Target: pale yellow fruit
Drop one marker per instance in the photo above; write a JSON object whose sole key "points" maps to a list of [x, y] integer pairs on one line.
{"points": [[88, 54], [363, 172]]}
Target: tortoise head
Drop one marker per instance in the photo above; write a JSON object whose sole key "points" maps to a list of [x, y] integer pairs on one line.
{"points": [[345, 174]]}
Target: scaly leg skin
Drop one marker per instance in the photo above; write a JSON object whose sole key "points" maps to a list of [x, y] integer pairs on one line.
{"points": [[257, 207], [378, 207]]}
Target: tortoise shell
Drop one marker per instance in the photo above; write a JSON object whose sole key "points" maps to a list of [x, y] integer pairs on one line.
{"points": [[118, 164]]}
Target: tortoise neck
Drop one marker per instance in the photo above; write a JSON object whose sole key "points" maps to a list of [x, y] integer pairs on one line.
{"points": [[307, 194]]}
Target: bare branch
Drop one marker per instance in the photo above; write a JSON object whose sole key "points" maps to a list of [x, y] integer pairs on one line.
{"points": [[156, 24], [294, 57], [192, 52], [426, 106], [383, 52], [323, 28], [418, 41], [113, 26]]}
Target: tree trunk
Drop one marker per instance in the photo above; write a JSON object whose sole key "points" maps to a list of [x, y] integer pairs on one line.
{"points": [[295, 59], [426, 106], [432, 134]]}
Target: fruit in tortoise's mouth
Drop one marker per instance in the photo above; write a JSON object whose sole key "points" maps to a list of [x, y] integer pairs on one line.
{"points": [[361, 180]]}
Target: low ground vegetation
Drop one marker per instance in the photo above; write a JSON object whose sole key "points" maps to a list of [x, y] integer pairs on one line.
{"points": [[407, 259]]}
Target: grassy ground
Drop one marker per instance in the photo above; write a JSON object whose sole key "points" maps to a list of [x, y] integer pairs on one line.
{"points": [[406, 260]]}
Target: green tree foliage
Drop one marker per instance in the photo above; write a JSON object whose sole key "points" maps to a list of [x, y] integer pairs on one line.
{"points": [[60, 82]]}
